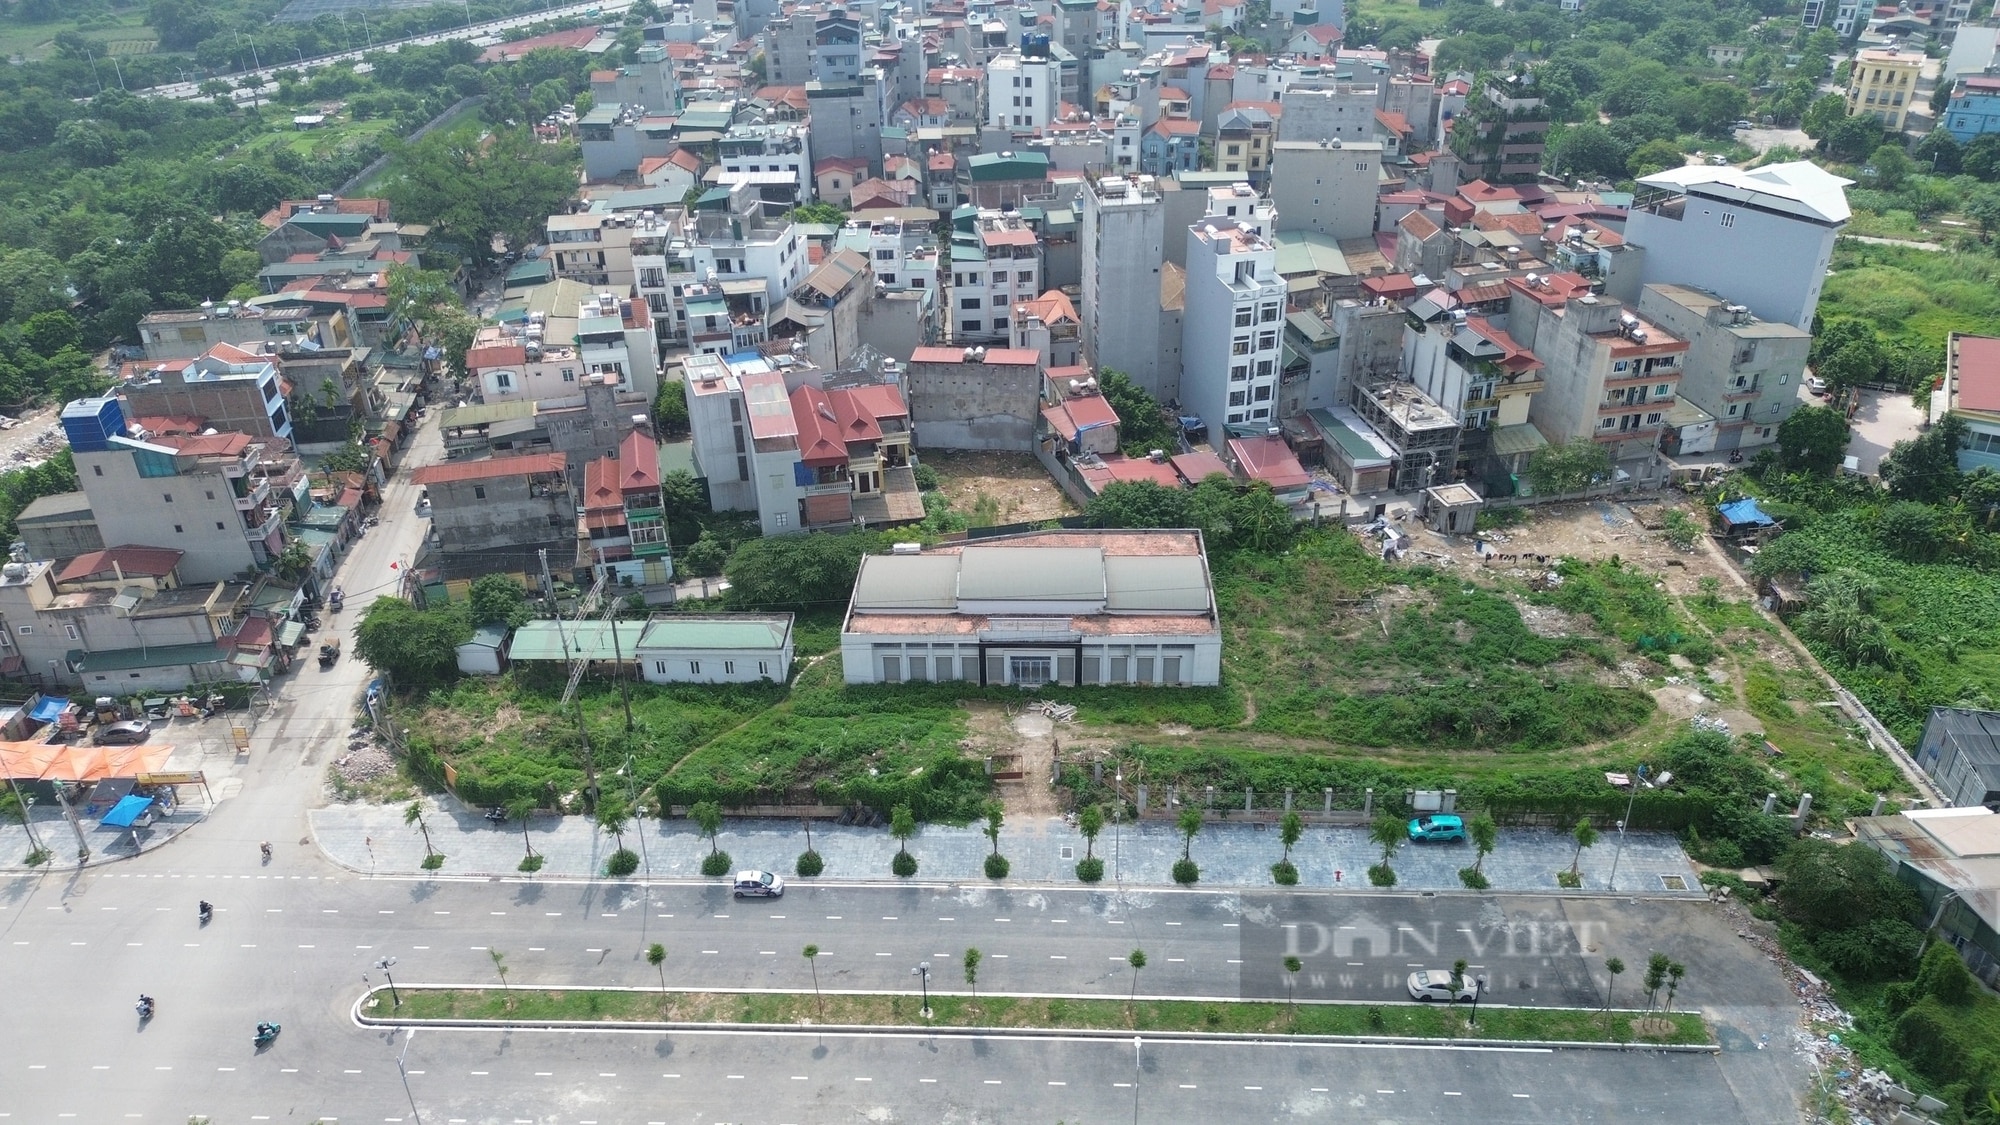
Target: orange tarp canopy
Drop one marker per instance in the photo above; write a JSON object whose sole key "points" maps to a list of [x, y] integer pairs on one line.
{"points": [[44, 761]]}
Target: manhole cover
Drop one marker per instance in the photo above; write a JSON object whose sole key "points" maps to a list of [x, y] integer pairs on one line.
{"points": [[1069, 853], [1674, 882]]}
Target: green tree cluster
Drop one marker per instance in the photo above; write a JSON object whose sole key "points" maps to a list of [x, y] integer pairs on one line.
{"points": [[417, 648], [1143, 424], [1850, 906], [1227, 514]]}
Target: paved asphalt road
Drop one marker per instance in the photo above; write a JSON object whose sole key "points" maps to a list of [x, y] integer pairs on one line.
{"points": [[294, 940]]}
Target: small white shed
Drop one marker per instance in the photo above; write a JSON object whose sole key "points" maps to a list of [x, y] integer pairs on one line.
{"points": [[715, 648], [486, 653]]}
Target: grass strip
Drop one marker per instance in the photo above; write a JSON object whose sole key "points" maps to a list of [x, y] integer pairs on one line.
{"points": [[882, 1010]]}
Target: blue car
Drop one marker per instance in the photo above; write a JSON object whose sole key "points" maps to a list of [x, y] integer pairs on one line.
{"points": [[1439, 827]]}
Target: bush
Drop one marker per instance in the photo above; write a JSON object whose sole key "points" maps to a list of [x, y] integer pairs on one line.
{"points": [[1568, 880], [715, 864], [1382, 875], [433, 861], [1473, 880], [530, 864], [927, 478], [623, 862], [1285, 873], [1186, 871], [904, 865], [996, 866], [809, 864], [1090, 870]]}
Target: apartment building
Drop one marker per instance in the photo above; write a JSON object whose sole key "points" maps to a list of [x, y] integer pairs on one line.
{"points": [[1742, 371], [623, 522], [775, 157], [209, 495], [556, 337], [519, 501], [649, 83], [996, 263], [1124, 236], [235, 389], [593, 248], [1503, 133], [1970, 389], [1021, 91], [271, 324], [1610, 376], [1233, 323], [770, 437], [1244, 134], [1765, 236], [1974, 108], [1475, 371], [1326, 187], [1321, 109], [1883, 84]]}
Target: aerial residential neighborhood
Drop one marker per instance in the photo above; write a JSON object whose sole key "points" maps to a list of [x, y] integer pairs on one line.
{"points": [[1000, 560]]}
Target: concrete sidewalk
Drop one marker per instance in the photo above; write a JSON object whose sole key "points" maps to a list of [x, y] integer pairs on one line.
{"points": [[374, 839], [107, 845]]}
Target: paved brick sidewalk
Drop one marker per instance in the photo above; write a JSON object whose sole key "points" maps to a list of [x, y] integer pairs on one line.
{"points": [[373, 838]]}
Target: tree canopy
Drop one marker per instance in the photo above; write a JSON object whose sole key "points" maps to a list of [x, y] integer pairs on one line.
{"points": [[1813, 440], [474, 189], [416, 647], [1142, 424]]}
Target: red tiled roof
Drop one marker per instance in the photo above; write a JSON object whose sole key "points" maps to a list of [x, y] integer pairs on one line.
{"points": [[169, 424], [1517, 358], [518, 465], [1391, 285], [575, 39], [1419, 225], [1198, 466], [496, 355], [827, 164], [600, 484], [1979, 373], [1176, 126], [1052, 307], [203, 445], [638, 462], [1520, 222], [1118, 467], [129, 560], [1270, 460]]}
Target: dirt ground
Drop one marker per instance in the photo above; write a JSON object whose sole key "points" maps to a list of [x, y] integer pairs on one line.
{"points": [[1016, 483], [1588, 530], [34, 441]]}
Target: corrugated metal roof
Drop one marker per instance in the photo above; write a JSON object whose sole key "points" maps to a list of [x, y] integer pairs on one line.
{"points": [[740, 631], [1143, 583], [1031, 573], [592, 640], [484, 414], [907, 582]]}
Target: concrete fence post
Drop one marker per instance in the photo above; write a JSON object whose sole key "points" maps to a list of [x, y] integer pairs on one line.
{"points": [[1288, 800], [1328, 792], [1142, 801], [1248, 791], [1368, 803]]}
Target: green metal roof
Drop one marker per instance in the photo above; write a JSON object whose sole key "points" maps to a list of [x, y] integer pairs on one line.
{"points": [[722, 631], [532, 272], [1309, 252], [484, 414], [1358, 449], [1522, 438], [592, 640], [138, 659], [989, 167]]}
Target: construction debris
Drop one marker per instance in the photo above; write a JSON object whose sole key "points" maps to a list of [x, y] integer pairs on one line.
{"points": [[1060, 712]]}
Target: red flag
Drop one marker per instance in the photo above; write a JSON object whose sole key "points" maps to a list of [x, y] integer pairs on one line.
{"points": [[392, 566]]}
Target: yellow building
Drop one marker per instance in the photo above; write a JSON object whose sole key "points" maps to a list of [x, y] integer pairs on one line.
{"points": [[1883, 85]]}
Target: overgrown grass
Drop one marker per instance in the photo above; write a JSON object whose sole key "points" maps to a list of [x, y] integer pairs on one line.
{"points": [[1821, 753], [1630, 604], [1331, 650], [1914, 295], [1239, 1017]]}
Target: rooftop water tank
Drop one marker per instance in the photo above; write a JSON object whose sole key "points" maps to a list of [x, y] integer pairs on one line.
{"points": [[91, 423]]}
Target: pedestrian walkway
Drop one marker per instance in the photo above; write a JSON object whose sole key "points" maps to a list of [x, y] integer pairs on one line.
{"points": [[373, 838], [107, 845]]}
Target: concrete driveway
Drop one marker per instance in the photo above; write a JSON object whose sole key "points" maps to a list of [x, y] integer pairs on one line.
{"points": [[1884, 418]]}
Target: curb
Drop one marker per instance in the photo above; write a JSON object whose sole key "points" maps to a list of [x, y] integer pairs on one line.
{"points": [[878, 1030]]}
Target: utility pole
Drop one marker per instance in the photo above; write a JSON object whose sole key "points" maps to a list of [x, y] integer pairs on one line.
{"points": [[27, 815], [617, 657], [82, 847]]}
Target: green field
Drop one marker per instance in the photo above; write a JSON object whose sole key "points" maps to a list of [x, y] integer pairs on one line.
{"points": [[125, 33]]}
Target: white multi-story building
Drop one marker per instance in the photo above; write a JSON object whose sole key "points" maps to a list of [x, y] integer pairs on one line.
{"points": [[776, 153], [567, 333], [903, 255], [1233, 326], [1764, 236], [1328, 187], [1124, 234], [1021, 91], [994, 266]]}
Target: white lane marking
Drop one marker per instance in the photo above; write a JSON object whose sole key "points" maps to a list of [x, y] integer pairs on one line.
{"points": [[947, 919], [992, 1081], [1058, 1083], [538, 949], [1523, 1095], [864, 1080], [885, 917], [1253, 1087], [1058, 957], [833, 917]]}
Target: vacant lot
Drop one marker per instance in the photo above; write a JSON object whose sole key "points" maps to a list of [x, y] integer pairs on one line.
{"points": [[997, 488]]}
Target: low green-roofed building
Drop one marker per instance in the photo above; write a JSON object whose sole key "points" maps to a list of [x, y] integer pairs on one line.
{"points": [[992, 167], [718, 648]]}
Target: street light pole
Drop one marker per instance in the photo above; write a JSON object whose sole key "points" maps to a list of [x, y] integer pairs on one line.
{"points": [[1638, 776], [923, 972], [404, 1070], [1137, 1067], [385, 964]]}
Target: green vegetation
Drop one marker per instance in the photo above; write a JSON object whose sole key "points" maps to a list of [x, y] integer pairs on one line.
{"points": [[1421, 1021]]}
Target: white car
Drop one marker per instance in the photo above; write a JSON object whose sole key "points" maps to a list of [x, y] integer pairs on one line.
{"points": [[1815, 384], [759, 884], [1435, 984]]}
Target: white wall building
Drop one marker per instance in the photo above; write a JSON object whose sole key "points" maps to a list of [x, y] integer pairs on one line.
{"points": [[718, 648], [995, 266], [1328, 187], [1063, 607], [1021, 91], [1124, 235], [1764, 236], [1233, 327]]}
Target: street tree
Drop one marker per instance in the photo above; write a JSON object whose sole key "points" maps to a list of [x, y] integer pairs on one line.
{"points": [[1570, 467], [1090, 822], [656, 956], [1387, 832], [613, 815], [500, 967], [1136, 959], [707, 816], [1813, 440], [1292, 967], [996, 815], [417, 297], [1613, 966], [1291, 828], [1585, 836], [1675, 972], [1185, 869], [523, 809], [1485, 837], [972, 959], [903, 825], [1656, 976], [812, 962], [497, 599], [414, 814], [417, 648]]}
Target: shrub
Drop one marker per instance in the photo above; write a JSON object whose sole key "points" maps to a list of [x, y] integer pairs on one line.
{"points": [[996, 866], [1473, 880], [715, 864], [904, 865], [1186, 871], [809, 864], [1382, 875], [1285, 873], [1569, 880], [1090, 870], [623, 862], [530, 864], [433, 861]]}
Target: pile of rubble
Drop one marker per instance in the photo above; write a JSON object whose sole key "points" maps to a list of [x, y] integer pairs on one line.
{"points": [[364, 764], [1060, 712]]}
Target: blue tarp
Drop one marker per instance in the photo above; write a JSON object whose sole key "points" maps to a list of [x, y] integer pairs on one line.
{"points": [[49, 710], [1745, 513], [126, 811]]}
